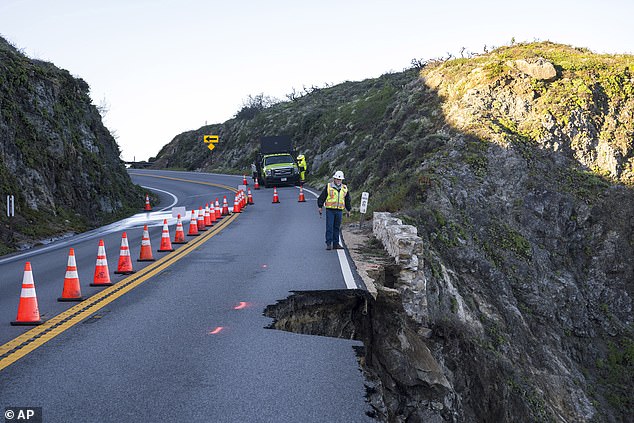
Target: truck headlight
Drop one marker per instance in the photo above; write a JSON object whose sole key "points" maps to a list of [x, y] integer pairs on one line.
{"points": [[268, 172]]}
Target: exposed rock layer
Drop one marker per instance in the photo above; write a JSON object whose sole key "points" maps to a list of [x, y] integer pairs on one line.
{"points": [[56, 156]]}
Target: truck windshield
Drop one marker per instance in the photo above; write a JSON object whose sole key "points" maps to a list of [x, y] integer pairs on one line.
{"points": [[278, 159]]}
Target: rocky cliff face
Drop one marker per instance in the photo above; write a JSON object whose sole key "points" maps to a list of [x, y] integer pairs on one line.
{"points": [[57, 159], [516, 168]]}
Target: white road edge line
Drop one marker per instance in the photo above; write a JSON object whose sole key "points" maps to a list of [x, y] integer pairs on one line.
{"points": [[343, 261], [345, 269], [164, 192], [314, 193], [95, 233]]}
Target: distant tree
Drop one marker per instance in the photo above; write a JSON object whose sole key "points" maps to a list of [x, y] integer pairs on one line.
{"points": [[311, 89], [418, 63], [103, 107], [294, 95], [253, 105]]}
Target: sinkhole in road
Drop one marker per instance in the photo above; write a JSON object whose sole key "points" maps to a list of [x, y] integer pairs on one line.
{"points": [[335, 313], [393, 356], [344, 313]]}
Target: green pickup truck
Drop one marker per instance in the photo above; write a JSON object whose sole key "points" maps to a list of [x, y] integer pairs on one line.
{"points": [[275, 163]]}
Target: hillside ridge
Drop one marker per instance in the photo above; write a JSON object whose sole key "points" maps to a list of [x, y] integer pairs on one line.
{"points": [[56, 156], [516, 167]]}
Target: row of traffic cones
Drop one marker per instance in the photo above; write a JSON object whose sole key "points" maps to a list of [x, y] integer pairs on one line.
{"points": [[28, 311], [202, 219], [301, 199]]}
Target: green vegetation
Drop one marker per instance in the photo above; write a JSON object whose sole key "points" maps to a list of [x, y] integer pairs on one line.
{"points": [[448, 233], [591, 90], [617, 373], [475, 155], [533, 397], [70, 174], [454, 305], [584, 184], [502, 238]]}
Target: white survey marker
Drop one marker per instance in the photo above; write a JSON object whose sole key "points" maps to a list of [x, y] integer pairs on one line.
{"points": [[179, 210], [364, 202]]}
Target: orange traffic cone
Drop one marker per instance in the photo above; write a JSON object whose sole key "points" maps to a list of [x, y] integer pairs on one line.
{"points": [[72, 290], [301, 195], [276, 199], [146, 246], [193, 226], [225, 206], [166, 244], [243, 198], [249, 197], [147, 203], [244, 180], [125, 263], [256, 185], [207, 215], [28, 312], [179, 236], [102, 275], [218, 211], [236, 205], [201, 220], [212, 214], [238, 197]]}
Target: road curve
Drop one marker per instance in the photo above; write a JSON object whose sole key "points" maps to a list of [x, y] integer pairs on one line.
{"points": [[190, 344]]}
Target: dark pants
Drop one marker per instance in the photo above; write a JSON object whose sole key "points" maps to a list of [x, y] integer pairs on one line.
{"points": [[333, 225]]}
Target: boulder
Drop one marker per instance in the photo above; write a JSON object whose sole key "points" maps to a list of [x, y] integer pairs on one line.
{"points": [[538, 68]]}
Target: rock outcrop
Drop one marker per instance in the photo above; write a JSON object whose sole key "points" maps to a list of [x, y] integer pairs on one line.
{"points": [[518, 182], [537, 68], [56, 157]]}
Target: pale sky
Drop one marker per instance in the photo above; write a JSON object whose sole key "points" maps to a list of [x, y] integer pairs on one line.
{"points": [[169, 66]]}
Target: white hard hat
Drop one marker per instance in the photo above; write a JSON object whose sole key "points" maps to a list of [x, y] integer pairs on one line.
{"points": [[338, 175]]}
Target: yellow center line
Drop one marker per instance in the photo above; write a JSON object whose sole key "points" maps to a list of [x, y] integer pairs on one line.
{"points": [[20, 346], [186, 180]]}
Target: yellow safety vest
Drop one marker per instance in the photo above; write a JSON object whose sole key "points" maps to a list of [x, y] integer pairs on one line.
{"points": [[336, 198], [302, 169]]}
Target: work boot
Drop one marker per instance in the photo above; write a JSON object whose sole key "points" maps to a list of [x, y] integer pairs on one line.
{"points": [[328, 247], [337, 247]]}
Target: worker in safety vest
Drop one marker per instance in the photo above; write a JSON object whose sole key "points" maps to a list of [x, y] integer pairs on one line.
{"points": [[335, 197], [254, 172], [301, 163]]}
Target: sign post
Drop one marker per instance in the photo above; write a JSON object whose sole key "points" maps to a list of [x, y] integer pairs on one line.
{"points": [[364, 206], [211, 140], [10, 206]]}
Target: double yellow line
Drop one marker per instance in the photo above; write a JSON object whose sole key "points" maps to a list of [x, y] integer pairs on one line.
{"points": [[39, 335]]}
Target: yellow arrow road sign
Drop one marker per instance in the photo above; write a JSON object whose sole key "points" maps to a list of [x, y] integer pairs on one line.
{"points": [[210, 139]]}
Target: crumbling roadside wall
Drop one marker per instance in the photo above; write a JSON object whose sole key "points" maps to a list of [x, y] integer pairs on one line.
{"points": [[406, 247]]}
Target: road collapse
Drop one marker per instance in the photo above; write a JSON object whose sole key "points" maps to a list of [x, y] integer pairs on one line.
{"points": [[403, 380]]}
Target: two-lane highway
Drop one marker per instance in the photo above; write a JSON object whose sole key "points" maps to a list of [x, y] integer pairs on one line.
{"points": [[189, 343], [49, 261]]}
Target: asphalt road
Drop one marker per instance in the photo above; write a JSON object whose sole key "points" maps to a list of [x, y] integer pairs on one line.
{"points": [[189, 343]]}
